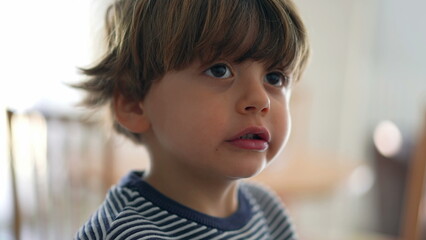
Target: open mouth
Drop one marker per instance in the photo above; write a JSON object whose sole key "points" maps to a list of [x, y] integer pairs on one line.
{"points": [[251, 136], [253, 133]]}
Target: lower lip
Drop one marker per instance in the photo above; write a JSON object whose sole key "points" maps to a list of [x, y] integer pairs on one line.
{"points": [[250, 144]]}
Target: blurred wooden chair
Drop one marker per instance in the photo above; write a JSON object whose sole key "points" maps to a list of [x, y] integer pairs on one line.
{"points": [[413, 208], [60, 169], [413, 205], [16, 218]]}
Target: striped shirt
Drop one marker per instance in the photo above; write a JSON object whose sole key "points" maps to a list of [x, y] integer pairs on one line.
{"points": [[135, 210]]}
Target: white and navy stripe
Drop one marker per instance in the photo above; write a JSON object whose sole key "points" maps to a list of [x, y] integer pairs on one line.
{"points": [[135, 210]]}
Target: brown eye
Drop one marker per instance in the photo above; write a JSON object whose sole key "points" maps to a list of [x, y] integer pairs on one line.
{"points": [[276, 79], [219, 71]]}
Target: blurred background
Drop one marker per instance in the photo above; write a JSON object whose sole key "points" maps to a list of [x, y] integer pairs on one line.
{"points": [[353, 168]]}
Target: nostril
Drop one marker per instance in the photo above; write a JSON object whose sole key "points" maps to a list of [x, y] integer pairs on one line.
{"points": [[250, 108], [256, 109]]}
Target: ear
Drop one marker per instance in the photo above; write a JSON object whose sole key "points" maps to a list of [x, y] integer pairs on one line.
{"points": [[130, 114]]}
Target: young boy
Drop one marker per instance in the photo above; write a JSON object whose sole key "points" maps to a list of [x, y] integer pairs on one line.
{"points": [[205, 86]]}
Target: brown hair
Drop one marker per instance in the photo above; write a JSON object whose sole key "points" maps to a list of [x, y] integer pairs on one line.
{"points": [[147, 38]]}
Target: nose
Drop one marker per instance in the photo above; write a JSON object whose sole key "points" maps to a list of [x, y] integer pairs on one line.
{"points": [[253, 99]]}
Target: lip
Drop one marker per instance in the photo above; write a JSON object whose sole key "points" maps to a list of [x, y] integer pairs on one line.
{"points": [[261, 144]]}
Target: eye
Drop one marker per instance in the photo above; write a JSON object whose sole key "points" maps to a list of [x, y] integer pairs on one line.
{"points": [[219, 70], [277, 79]]}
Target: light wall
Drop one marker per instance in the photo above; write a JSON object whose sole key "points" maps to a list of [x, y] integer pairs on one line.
{"points": [[367, 66]]}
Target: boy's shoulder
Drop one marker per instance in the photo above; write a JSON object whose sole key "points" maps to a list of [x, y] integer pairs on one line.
{"points": [[266, 202], [259, 192], [116, 202], [263, 198]]}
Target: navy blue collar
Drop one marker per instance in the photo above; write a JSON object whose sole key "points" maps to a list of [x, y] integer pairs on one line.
{"points": [[237, 220]]}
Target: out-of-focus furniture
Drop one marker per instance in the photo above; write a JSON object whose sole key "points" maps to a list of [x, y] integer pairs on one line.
{"points": [[412, 217], [60, 169], [413, 205], [409, 178]]}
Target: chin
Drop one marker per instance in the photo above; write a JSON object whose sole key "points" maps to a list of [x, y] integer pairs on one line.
{"points": [[246, 171]]}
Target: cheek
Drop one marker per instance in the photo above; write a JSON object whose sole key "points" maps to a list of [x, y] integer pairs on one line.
{"points": [[186, 119], [203, 122], [281, 123]]}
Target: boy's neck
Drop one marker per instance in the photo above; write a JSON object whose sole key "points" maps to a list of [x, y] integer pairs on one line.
{"points": [[198, 193]]}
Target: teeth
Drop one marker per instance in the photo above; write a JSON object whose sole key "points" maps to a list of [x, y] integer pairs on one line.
{"points": [[249, 136]]}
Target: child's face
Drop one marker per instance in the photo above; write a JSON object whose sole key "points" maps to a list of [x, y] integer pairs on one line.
{"points": [[198, 115]]}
